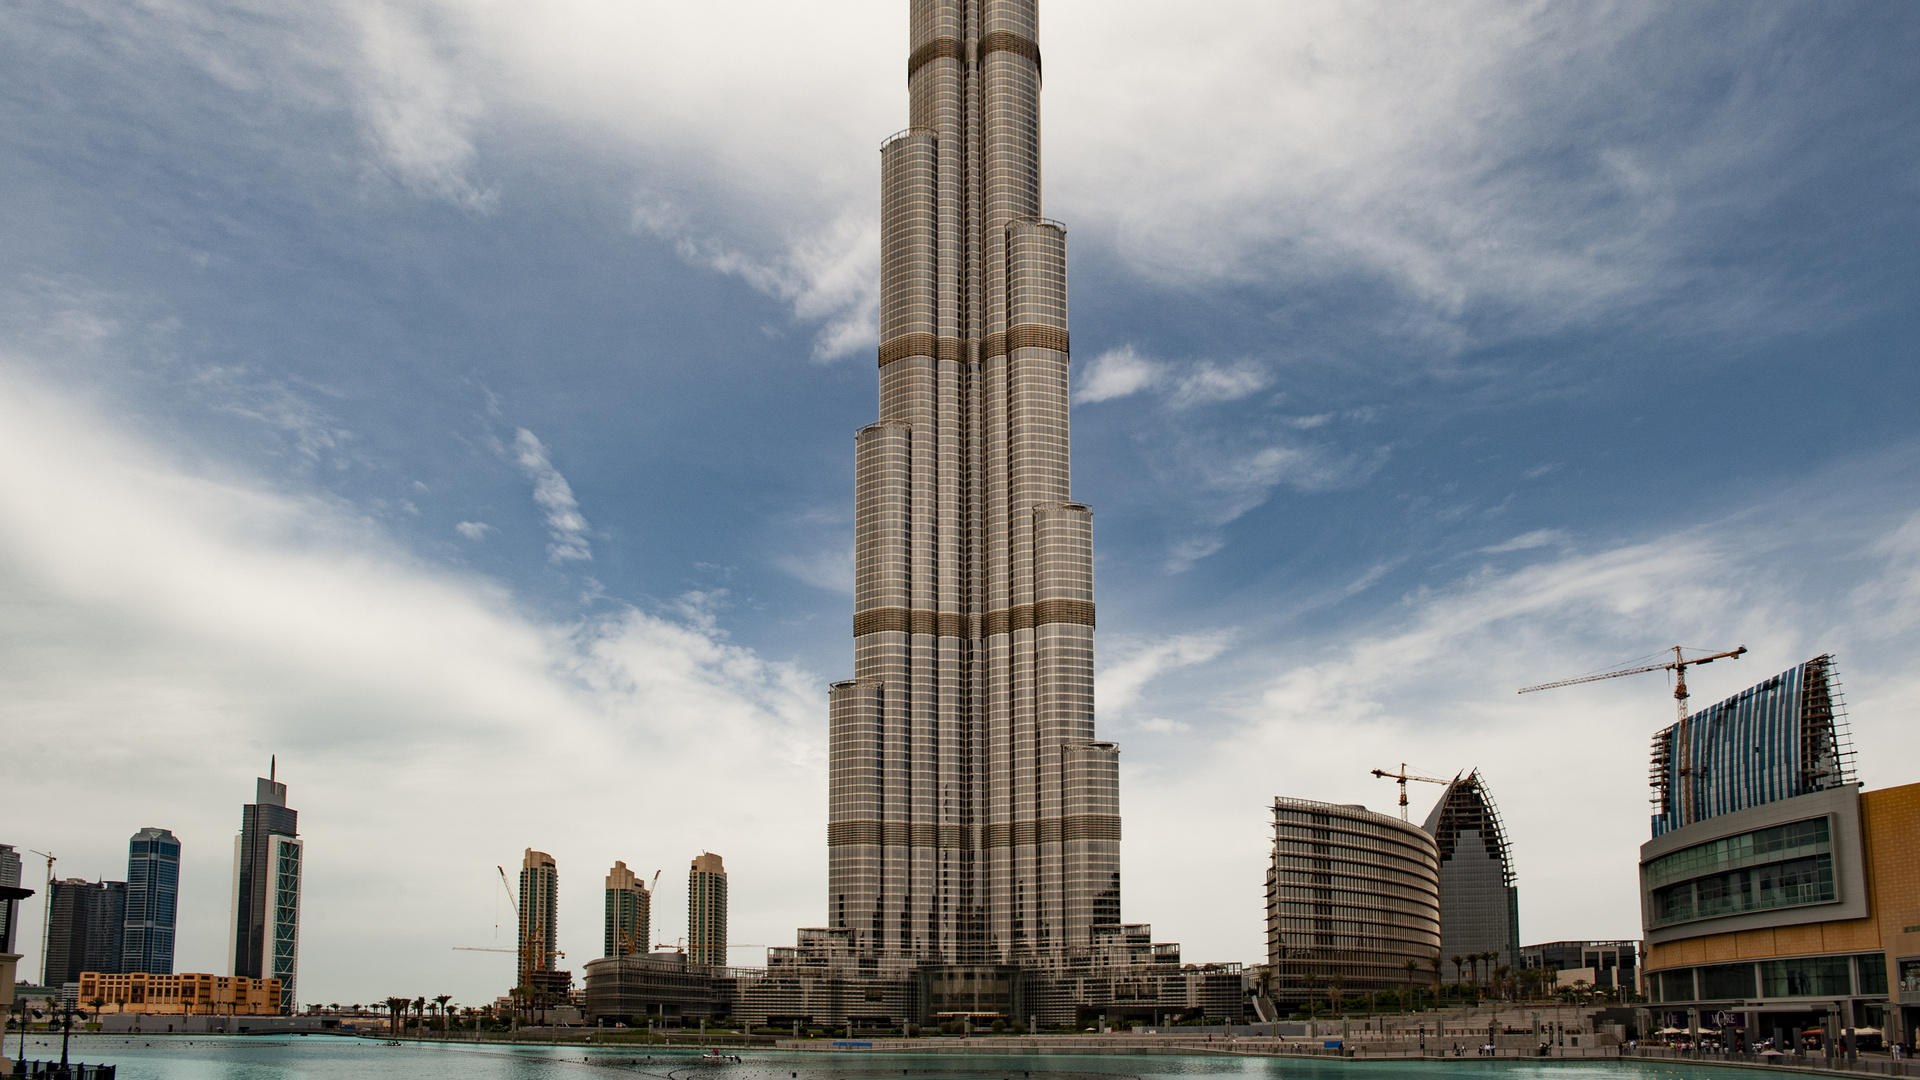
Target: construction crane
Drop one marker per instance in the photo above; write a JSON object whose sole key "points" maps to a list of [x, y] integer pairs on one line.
{"points": [[46, 928], [1678, 665], [478, 948], [1657, 777], [1403, 776]]}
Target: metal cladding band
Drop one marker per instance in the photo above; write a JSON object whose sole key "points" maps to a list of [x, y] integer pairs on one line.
{"points": [[951, 624], [1003, 41], [1024, 336], [1043, 831], [921, 344], [945, 48], [899, 348]]}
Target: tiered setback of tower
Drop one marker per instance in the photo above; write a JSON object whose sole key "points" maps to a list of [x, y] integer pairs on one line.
{"points": [[973, 828], [973, 815]]}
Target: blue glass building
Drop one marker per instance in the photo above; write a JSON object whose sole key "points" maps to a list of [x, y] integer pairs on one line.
{"points": [[1784, 738], [153, 902]]}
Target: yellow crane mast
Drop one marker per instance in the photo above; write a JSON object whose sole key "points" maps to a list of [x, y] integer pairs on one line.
{"points": [[1403, 776]]}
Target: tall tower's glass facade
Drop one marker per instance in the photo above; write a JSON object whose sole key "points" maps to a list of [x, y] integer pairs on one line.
{"points": [[629, 913], [707, 910], [1479, 903], [84, 923], [153, 902], [9, 909], [539, 917], [973, 816], [264, 942]]}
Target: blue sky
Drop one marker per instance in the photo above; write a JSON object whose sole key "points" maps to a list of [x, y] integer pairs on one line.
{"points": [[456, 399]]}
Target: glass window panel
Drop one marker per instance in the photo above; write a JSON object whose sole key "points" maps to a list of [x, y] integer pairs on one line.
{"points": [[1811, 976], [1676, 985], [1873, 973], [1726, 982]]}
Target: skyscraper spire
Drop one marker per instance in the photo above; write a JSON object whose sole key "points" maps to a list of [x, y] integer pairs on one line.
{"points": [[973, 817]]}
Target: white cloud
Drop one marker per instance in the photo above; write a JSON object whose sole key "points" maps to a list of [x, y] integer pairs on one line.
{"points": [[1432, 682], [1301, 143], [1220, 475], [1538, 538], [162, 631], [1116, 373], [474, 530], [565, 524], [1207, 383], [1539, 471], [1126, 667], [418, 110]]}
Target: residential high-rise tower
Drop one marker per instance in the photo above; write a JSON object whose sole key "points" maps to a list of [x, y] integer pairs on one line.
{"points": [[973, 815], [707, 910], [9, 909], [264, 942], [539, 916], [629, 913], [84, 923], [153, 899]]}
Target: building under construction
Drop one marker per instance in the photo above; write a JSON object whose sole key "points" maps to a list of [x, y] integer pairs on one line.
{"points": [[1479, 903], [1353, 902], [1783, 738]]}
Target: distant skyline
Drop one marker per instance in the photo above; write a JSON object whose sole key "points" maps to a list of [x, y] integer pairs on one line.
{"points": [[456, 400]]}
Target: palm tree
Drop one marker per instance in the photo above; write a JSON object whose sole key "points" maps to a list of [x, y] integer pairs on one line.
{"points": [[1412, 966], [1458, 965], [1313, 998], [1434, 963], [396, 1006], [441, 1000], [1334, 986]]}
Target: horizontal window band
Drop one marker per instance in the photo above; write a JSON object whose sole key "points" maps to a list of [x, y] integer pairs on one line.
{"points": [[1015, 834], [1008, 41], [950, 624], [905, 345], [947, 48], [1024, 336]]}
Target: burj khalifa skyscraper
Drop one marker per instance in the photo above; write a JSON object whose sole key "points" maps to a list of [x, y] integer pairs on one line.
{"points": [[973, 814]]}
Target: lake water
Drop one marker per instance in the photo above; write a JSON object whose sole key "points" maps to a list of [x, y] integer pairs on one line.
{"points": [[336, 1058]]}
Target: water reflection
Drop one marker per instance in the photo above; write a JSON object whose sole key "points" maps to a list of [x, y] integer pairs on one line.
{"points": [[336, 1058]]}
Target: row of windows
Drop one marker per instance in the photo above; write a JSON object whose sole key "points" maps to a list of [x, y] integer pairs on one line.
{"points": [[1766, 845], [1808, 976], [1788, 884]]}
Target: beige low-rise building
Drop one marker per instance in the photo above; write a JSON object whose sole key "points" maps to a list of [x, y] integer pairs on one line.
{"points": [[180, 995]]}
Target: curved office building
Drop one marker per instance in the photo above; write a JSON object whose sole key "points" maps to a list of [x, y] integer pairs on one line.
{"points": [[1350, 893], [1479, 903]]}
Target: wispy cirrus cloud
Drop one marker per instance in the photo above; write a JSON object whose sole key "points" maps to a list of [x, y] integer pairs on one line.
{"points": [[566, 526], [1538, 538], [1127, 666], [1125, 371]]}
